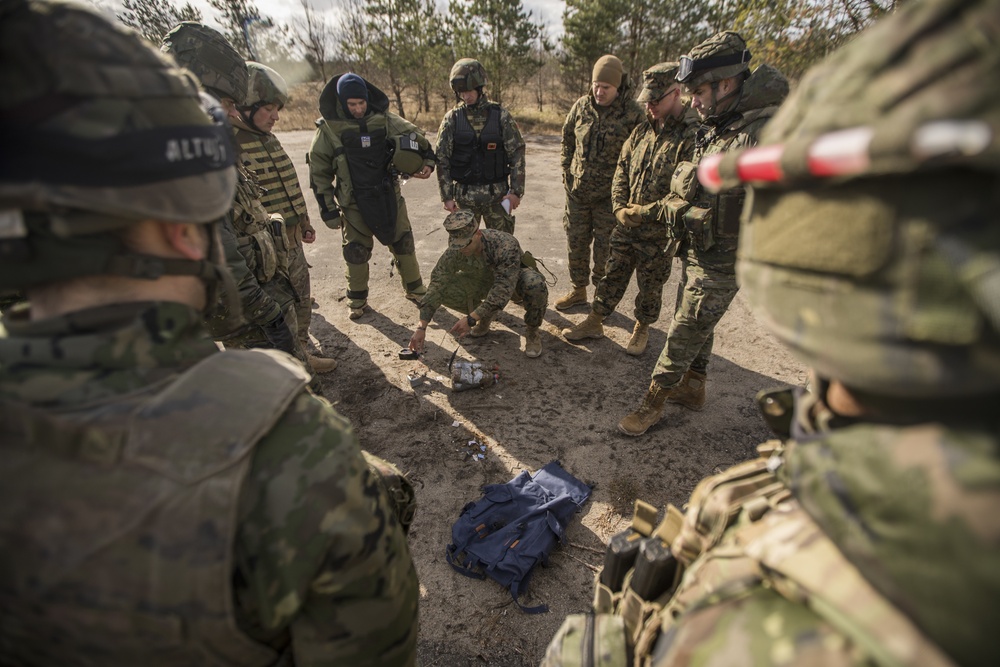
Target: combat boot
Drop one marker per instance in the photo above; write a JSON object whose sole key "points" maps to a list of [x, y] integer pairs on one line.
{"points": [[532, 342], [649, 412], [572, 298], [589, 328], [321, 364], [355, 313], [690, 392], [482, 327], [417, 294], [637, 343]]}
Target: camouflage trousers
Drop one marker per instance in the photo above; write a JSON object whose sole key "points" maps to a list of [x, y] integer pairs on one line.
{"points": [[484, 202], [534, 295], [298, 273], [708, 286], [651, 265], [397, 488], [252, 336], [586, 224], [358, 242]]}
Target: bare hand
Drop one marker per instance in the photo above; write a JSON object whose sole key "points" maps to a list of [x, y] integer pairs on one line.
{"points": [[417, 340], [461, 328], [425, 172], [308, 235], [450, 206], [515, 201]]}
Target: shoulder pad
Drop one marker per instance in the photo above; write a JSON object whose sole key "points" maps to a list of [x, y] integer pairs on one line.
{"points": [[227, 402]]}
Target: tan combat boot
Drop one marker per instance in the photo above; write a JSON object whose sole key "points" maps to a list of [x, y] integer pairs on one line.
{"points": [[690, 392], [575, 296], [637, 343], [321, 364], [649, 412], [482, 327], [355, 312], [532, 342], [589, 328]]}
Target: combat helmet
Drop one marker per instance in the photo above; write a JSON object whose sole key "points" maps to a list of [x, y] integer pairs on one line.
{"points": [[871, 241], [100, 131], [467, 74], [266, 87], [719, 57], [205, 52]]}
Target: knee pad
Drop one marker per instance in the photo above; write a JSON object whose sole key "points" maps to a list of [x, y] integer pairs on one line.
{"points": [[355, 253], [405, 245]]}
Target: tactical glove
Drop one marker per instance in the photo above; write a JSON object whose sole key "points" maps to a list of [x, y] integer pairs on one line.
{"points": [[279, 335], [331, 218]]}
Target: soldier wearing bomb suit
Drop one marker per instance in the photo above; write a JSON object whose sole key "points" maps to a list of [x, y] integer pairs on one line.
{"points": [[734, 104], [267, 94], [480, 152], [357, 156], [162, 502]]}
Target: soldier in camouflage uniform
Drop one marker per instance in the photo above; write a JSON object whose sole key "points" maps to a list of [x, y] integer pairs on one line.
{"points": [[643, 242], [869, 534], [267, 94], [351, 147], [480, 152], [254, 241], [592, 136], [734, 104], [481, 271], [162, 503]]}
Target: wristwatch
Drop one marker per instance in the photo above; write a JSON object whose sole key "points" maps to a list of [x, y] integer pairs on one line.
{"points": [[471, 320]]}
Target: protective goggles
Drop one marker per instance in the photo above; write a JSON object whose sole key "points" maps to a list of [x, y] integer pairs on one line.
{"points": [[689, 66]]}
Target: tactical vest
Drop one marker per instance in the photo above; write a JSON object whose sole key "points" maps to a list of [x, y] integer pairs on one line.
{"points": [[276, 175], [479, 159], [774, 544], [119, 518], [261, 235], [372, 187], [708, 217]]}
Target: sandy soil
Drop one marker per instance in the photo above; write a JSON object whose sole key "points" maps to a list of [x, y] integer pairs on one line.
{"points": [[564, 405]]}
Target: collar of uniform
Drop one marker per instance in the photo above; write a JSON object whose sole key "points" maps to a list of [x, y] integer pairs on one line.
{"points": [[240, 124], [98, 352]]}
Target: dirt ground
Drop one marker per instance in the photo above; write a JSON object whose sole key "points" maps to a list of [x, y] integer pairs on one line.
{"points": [[564, 405]]}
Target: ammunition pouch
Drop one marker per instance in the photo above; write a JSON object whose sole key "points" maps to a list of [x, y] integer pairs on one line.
{"points": [[684, 181], [698, 222]]}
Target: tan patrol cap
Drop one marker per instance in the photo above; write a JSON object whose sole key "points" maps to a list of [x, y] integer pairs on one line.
{"points": [[461, 226], [656, 81]]}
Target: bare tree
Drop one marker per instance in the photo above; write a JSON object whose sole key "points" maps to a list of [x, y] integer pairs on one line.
{"points": [[314, 35]]}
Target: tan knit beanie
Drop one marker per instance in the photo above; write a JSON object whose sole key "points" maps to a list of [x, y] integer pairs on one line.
{"points": [[608, 69]]}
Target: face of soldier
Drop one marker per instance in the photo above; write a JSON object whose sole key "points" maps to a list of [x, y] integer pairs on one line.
{"points": [[266, 116], [470, 97], [229, 104], [474, 245], [667, 105], [357, 106], [604, 93], [704, 99]]}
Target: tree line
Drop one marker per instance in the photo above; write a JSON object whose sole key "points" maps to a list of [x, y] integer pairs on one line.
{"points": [[407, 47]]}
